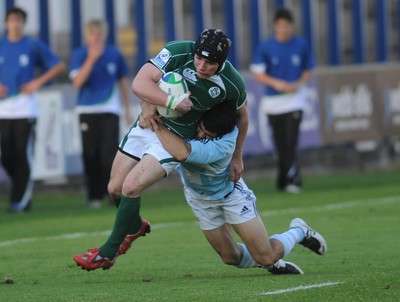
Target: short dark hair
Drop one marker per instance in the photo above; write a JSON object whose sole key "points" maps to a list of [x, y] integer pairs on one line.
{"points": [[220, 119], [17, 11], [283, 13]]}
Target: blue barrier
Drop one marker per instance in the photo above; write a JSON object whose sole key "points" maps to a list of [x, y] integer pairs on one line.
{"points": [[308, 32], [109, 15], [376, 45], [198, 16], [333, 33], [140, 16], [44, 21], [357, 10], [230, 30], [170, 20], [382, 21], [76, 23]]}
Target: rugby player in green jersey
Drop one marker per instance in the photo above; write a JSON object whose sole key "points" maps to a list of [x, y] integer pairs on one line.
{"points": [[142, 160]]}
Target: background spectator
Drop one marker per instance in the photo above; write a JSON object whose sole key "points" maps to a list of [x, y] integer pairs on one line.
{"points": [[97, 69], [283, 64], [20, 56]]}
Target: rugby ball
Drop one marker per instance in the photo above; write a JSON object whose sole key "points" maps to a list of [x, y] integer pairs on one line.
{"points": [[175, 85]]}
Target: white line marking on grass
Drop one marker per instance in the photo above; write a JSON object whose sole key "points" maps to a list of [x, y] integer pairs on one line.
{"points": [[302, 287], [84, 234], [335, 206], [52, 238], [327, 207]]}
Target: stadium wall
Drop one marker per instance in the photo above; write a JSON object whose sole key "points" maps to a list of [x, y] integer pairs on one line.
{"points": [[355, 106]]}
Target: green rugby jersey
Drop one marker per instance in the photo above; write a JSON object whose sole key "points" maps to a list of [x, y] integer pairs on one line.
{"points": [[227, 86]]}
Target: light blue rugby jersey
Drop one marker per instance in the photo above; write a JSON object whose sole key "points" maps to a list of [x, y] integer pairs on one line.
{"points": [[206, 170], [107, 70], [19, 62]]}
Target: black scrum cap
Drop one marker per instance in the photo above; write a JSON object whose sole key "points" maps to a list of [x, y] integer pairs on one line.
{"points": [[213, 45]]}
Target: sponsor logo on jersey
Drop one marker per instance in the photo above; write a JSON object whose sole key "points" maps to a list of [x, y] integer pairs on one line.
{"points": [[23, 60], [295, 60], [214, 92], [111, 68], [162, 58], [189, 75]]}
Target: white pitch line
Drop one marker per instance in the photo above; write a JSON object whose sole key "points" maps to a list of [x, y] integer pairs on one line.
{"points": [[85, 234], [335, 206], [302, 287], [328, 207]]}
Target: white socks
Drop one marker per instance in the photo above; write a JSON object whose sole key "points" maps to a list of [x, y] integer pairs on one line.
{"points": [[289, 239], [247, 260]]}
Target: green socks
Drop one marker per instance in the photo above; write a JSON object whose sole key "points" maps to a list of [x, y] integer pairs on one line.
{"points": [[127, 221], [116, 201]]}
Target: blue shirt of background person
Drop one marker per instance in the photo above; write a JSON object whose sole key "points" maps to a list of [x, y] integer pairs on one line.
{"points": [[283, 60], [107, 70], [20, 60]]}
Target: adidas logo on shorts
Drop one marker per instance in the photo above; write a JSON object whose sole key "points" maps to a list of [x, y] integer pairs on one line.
{"points": [[245, 210]]}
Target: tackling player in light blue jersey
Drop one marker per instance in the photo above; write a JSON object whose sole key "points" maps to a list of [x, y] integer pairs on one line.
{"points": [[205, 171], [219, 203]]}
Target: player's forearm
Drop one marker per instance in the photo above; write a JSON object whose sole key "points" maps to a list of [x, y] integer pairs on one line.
{"points": [[145, 85], [175, 145], [84, 73], [266, 79], [148, 111], [124, 89], [150, 92], [242, 126], [3, 91], [305, 78], [51, 73]]}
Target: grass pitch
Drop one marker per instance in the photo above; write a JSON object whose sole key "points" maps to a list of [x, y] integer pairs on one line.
{"points": [[359, 215]]}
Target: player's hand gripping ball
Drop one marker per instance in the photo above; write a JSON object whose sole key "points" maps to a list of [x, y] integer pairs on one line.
{"points": [[175, 86]]}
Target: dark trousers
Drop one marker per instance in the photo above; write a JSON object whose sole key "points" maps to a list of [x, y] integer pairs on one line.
{"points": [[16, 145], [100, 139], [285, 128]]}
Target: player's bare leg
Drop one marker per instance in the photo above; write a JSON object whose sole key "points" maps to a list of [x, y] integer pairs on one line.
{"points": [[254, 235], [122, 165], [224, 244], [147, 172], [268, 252]]}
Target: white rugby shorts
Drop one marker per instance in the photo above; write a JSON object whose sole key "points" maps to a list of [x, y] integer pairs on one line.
{"points": [[139, 142], [238, 207]]}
